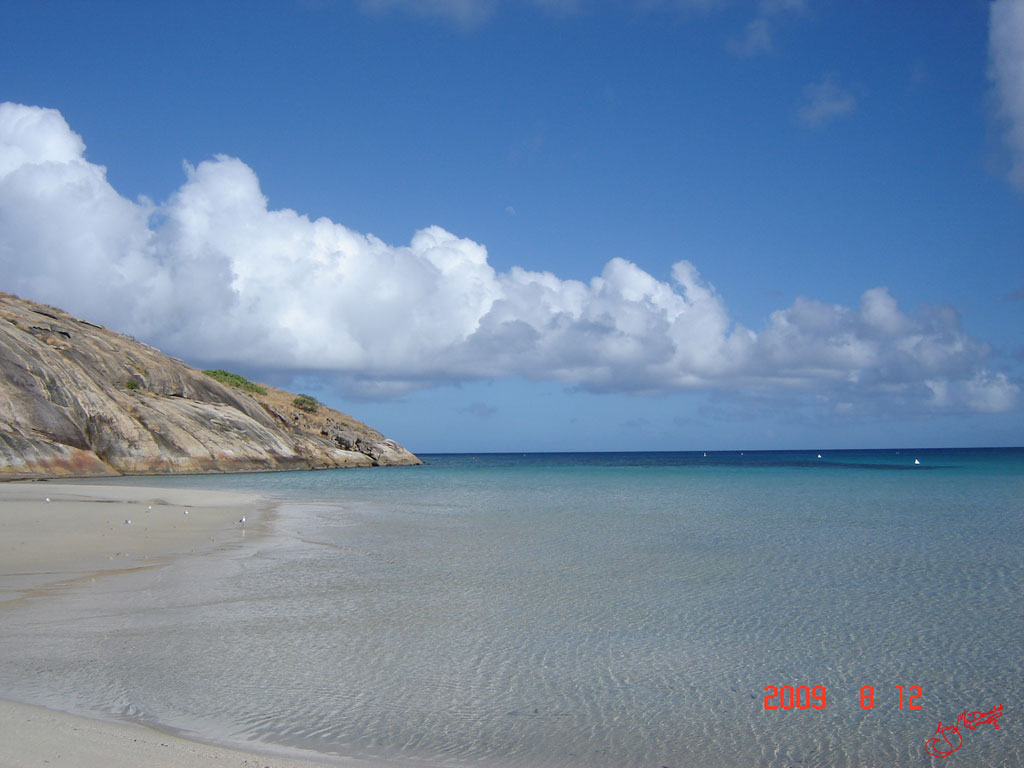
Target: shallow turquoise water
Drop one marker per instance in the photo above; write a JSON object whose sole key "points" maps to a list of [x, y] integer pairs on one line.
{"points": [[574, 610]]}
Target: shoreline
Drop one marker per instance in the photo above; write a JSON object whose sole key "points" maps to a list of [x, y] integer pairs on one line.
{"points": [[31, 735], [59, 533]]}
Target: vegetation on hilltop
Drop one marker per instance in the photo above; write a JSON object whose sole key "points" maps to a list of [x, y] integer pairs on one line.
{"points": [[234, 380]]}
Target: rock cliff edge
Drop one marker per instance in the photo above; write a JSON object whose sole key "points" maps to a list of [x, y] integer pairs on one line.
{"points": [[77, 399]]}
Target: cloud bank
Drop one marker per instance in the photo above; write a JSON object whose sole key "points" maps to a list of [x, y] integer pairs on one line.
{"points": [[1006, 63], [215, 276]]}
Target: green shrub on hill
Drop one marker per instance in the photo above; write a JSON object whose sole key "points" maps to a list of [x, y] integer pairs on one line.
{"points": [[306, 403], [234, 380]]}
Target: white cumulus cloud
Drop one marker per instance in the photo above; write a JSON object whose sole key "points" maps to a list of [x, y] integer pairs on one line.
{"points": [[216, 276]]}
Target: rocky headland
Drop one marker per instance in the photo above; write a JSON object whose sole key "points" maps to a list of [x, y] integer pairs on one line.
{"points": [[79, 400]]}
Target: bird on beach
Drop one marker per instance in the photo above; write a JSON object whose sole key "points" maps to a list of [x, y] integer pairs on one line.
{"points": [[242, 521], [186, 511], [127, 522], [47, 499]]}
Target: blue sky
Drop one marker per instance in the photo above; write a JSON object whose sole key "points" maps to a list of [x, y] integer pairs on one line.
{"points": [[485, 225]]}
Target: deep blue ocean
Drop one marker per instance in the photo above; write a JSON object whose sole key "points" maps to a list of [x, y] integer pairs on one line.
{"points": [[586, 609]]}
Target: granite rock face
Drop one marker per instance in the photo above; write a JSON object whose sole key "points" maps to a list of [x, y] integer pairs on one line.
{"points": [[79, 400]]}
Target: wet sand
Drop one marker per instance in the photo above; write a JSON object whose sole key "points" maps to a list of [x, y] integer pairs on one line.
{"points": [[56, 533]]}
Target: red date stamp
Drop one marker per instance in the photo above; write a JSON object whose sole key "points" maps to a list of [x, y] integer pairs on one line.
{"points": [[941, 745], [801, 697], [945, 741], [807, 697]]}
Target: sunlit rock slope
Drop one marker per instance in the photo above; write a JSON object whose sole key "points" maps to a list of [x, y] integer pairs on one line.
{"points": [[77, 399]]}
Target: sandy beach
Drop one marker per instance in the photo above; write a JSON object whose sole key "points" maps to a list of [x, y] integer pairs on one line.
{"points": [[55, 534]]}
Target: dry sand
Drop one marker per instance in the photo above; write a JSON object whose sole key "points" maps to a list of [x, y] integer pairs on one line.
{"points": [[81, 533]]}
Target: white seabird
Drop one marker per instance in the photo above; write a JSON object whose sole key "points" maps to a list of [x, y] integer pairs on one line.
{"points": [[127, 522]]}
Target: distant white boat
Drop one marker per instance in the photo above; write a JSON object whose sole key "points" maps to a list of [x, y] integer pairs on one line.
{"points": [[916, 461]]}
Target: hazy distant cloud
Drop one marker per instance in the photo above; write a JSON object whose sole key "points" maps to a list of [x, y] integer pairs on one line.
{"points": [[676, 5], [759, 35], [918, 72], [777, 6], [466, 13], [1006, 67], [824, 101], [481, 410], [757, 38], [559, 7], [635, 424], [472, 13], [215, 276]]}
